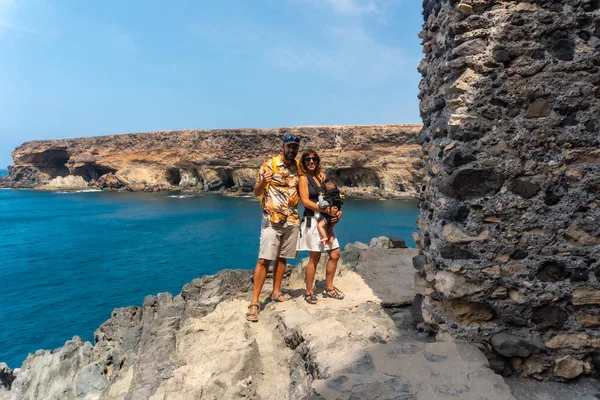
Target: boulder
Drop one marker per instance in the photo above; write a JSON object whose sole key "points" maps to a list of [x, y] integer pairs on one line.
{"points": [[568, 367], [515, 346]]}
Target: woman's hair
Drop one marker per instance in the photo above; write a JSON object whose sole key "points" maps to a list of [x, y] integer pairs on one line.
{"points": [[308, 153]]}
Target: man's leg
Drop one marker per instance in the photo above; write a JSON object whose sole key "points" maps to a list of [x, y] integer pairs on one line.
{"points": [[278, 271], [260, 274], [287, 249], [266, 253]]}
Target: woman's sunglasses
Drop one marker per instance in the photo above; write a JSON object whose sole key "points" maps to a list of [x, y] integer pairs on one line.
{"points": [[309, 159]]}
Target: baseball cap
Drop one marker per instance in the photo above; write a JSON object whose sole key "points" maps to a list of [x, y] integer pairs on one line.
{"points": [[291, 139]]}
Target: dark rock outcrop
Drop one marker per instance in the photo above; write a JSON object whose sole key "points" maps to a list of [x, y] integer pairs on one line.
{"points": [[509, 203]]}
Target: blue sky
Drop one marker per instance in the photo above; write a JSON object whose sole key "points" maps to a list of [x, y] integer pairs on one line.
{"points": [[73, 68]]}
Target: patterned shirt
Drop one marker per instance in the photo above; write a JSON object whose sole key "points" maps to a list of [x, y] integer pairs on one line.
{"points": [[281, 198]]}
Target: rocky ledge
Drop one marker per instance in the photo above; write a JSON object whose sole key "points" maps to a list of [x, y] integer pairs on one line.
{"points": [[366, 161], [199, 345]]}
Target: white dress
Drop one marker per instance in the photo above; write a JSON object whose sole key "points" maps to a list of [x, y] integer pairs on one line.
{"points": [[309, 239]]}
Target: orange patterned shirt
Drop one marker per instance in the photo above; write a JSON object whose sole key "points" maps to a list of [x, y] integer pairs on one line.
{"points": [[281, 198]]}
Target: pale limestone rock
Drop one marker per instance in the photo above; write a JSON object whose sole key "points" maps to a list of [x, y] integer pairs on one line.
{"points": [[577, 237], [453, 234], [465, 9], [464, 82], [513, 268], [574, 174], [527, 7], [455, 286], [568, 367], [568, 340], [532, 365], [583, 156], [586, 295], [467, 312], [70, 182], [545, 296], [500, 293], [588, 320], [492, 219], [516, 297]]}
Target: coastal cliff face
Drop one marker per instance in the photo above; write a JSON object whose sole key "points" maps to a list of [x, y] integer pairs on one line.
{"points": [[371, 161]]}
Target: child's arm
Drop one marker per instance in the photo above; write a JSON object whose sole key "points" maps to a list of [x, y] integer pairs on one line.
{"points": [[322, 202]]}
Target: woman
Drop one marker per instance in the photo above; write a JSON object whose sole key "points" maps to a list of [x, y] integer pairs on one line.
{"points": [[309, 186]]}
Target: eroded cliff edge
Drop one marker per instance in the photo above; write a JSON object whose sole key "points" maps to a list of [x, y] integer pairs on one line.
{"points": [[366, 161], [199, 345]]}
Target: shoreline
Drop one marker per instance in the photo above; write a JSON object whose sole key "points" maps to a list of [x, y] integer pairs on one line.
{"points": [[227, 193]]}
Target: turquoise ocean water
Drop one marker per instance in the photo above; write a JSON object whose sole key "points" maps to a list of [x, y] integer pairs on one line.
{"points": [[68, 259]]}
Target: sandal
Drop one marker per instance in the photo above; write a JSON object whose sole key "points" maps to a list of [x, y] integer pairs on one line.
{"points": [[310, 298], [334, 293], [252, 316], [279, 298]]}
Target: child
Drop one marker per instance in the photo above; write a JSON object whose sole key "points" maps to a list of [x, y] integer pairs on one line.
{"points": [[331, 198]]}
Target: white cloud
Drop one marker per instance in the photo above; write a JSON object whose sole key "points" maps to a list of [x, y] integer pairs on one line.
{"points": [[7, 9], [14, 27], [349, 55], [121, 40], [354, 7], [348, 7]]}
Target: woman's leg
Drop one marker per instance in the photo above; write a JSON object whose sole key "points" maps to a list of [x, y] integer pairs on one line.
{"points": [[311, 268], [334, 256]]}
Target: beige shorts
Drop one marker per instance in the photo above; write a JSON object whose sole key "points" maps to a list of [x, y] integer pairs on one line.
{"points": [[277, 241]]}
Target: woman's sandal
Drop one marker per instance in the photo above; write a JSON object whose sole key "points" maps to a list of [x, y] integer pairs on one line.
{"points": [[279, 298], [334, 293], [252, 316], [310, 298]]}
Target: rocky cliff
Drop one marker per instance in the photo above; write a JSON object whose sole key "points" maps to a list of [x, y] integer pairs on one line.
{"points": [[199, 345], [373, 161]]}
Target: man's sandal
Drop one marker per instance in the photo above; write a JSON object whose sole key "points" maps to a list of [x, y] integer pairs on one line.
{"points": [[310, 298], [334, 293], [252, 316], [279, 297]]}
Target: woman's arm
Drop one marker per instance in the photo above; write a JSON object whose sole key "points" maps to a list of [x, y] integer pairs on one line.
{"points": [[303, 189]]}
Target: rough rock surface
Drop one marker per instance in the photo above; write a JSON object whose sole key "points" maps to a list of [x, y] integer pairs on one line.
{"points": [[509, 230], [198, 345], [366, 161]]}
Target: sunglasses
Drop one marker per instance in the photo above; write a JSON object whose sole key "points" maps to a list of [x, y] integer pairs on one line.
{"points": [[291, 139], [309, 159]]}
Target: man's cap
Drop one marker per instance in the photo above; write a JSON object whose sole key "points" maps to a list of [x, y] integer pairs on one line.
{"points": [[291, 139]]}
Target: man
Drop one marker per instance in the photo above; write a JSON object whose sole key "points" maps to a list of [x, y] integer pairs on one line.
{"points": [[278, 184]]}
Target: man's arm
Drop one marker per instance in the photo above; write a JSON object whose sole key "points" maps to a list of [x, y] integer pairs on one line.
{"points": [[265, 176]]}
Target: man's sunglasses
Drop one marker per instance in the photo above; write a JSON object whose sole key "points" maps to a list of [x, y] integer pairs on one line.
{"points": [[309, 159], [291, 139]]}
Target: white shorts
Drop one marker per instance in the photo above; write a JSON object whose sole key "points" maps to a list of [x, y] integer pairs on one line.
{"points": [[309, 239], [277, 241]]}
